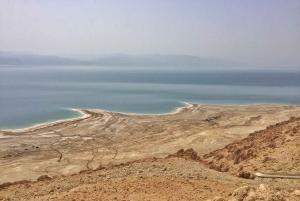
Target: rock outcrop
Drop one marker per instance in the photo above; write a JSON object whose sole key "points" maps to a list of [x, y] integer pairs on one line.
{"points": [[188, 154]]}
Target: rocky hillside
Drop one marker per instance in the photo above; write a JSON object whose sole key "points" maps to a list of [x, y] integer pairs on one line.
{"points": [[183, 175], [274, 150], [177, 177], [173, 178], [263, 192]]}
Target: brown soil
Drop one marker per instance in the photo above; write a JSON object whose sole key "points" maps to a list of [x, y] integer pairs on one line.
{"points": [[114, 154], [275, 149], [150, 179], [177, 177]]}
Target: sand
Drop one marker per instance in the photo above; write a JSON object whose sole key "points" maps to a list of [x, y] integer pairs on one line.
{"points": [[102, 137], [115, 156]]}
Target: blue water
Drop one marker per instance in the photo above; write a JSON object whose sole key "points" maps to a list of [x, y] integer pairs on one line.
{"points": [[32, 95]]}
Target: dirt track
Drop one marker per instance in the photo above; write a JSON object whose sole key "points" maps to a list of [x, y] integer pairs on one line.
{"points": [[277, 175]]}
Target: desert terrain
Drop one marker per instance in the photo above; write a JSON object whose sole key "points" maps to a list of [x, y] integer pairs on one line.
{"points": [[200, 152]]}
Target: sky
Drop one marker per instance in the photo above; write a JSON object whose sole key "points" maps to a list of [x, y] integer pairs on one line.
{"points": [[258, 32]]}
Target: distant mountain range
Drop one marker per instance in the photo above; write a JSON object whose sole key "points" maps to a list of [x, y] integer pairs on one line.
{"points": [[19, 58]]}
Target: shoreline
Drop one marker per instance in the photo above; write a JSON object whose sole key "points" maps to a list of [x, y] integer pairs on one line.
{"points": [[86, 115], [102, 137], [46, 124], [175, 111]]}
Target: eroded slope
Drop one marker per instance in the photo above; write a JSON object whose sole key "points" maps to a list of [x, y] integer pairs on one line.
{"points": [[275, 149]]}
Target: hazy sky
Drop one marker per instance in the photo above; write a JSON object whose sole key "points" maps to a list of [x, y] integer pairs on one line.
{"points": [[264, 32]]}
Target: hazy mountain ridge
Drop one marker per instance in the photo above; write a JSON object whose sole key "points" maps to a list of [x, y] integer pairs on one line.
{"points": [[17, 58]]}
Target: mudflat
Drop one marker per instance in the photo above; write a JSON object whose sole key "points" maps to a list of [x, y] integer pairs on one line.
{"points": [[103, 138]]}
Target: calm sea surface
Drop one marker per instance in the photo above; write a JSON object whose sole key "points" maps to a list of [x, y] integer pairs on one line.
{"points": [[33, 95]]}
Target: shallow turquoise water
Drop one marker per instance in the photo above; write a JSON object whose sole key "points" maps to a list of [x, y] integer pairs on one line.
{"points": [[37, 94]]}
